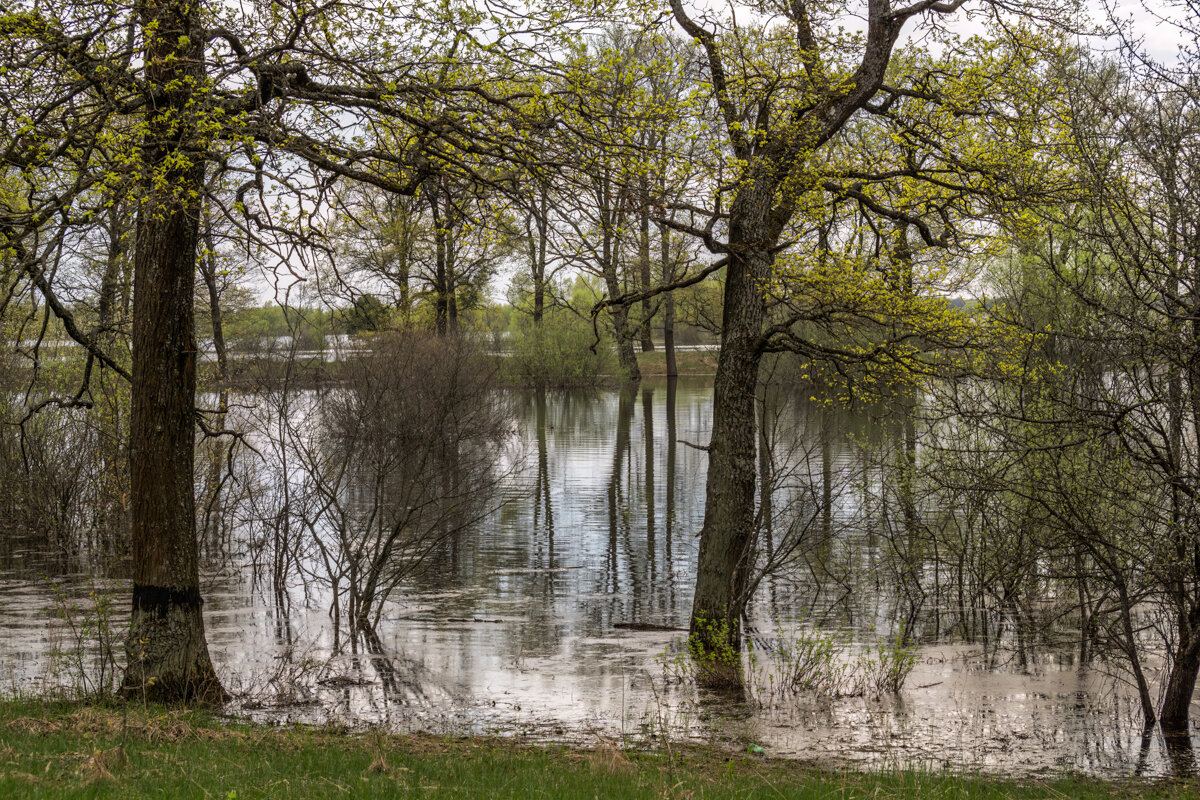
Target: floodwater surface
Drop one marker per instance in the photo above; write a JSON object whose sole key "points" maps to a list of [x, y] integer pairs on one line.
{"points": [[518, 626]]}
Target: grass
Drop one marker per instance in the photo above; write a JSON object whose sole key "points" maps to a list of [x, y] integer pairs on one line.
{"points": [[60, 750], [689, 362]]}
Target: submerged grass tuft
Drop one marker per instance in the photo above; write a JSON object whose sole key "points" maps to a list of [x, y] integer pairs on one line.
{"points": [[59, 750]]}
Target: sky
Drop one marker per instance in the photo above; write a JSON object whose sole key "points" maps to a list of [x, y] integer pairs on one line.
{"points": [[1147, 20]]}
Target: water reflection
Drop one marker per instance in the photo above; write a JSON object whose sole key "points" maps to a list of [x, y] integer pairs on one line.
{"points": [[513, 629]]}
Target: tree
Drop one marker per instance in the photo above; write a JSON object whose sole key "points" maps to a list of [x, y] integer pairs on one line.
{"points": [[1127, 258], [143, 100], [775, 127]]}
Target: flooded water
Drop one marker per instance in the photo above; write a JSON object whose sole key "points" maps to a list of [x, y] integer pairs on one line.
{"points": [[516, 626]]}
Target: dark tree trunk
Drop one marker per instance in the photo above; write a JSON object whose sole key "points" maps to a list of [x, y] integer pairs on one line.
{"points": [[768, 185], [451, 284], [667, 271], [113, 278], [441, 306], [727, 535], [167, 656], [537, 252], [668, 275], [539, 299], [1181, 683], [610, 214], [441, 312], [620, 314], [112, 520], [644, 263], [626, 357], [208, 270], [405, 294]]}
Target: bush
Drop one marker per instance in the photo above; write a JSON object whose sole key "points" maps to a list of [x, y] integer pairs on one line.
{"points": [[556, 352]]}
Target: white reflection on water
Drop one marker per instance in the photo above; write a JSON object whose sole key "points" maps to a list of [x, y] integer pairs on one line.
{"points": [[511, 631]]}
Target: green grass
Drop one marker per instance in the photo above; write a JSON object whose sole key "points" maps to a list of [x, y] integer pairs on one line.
{"points": [[57, 750], [689, 362]]}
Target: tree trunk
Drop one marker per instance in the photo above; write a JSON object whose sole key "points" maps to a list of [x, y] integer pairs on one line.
{"points": [[114, 276], [538, 255], [668, 275], [1181, 683], [620, 314], [626, 357], [208, 270], [609, 215], [441, 313], [644, 263], [167, 654], [109, 389], [451, 284], [727, 535]]}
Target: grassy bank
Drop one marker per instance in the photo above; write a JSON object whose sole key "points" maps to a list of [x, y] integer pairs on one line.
{"points": [[64, 751], [689, 362]]}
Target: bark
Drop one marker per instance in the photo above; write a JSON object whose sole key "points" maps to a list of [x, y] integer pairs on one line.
{"points": [[114, 273], [727, 534], [667, 270], [1130, 646], [626, 357], [644, 264], [167, 654], [441, 312], [668, 307], [609, 216], [1181, 683], [208, 271], [620, 314], [451, 283], [761, 208], [537, 252]]}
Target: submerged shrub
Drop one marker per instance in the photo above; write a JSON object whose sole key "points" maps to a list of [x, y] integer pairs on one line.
{"points": [[885, 668], [556, 352], [803, 661], [808, 662], [378, 475]]}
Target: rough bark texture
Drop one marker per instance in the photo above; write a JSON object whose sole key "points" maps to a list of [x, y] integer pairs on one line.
{"points": [[208, 270], [626, 357], [440, 282], [537, 251], [727, 535], [1181, 683], [620, 314], [668, 275], [167, 654], [644, 264], [761, 208]]}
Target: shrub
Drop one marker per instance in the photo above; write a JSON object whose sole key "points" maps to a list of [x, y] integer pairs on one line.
{"points": [[556, 352]]}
